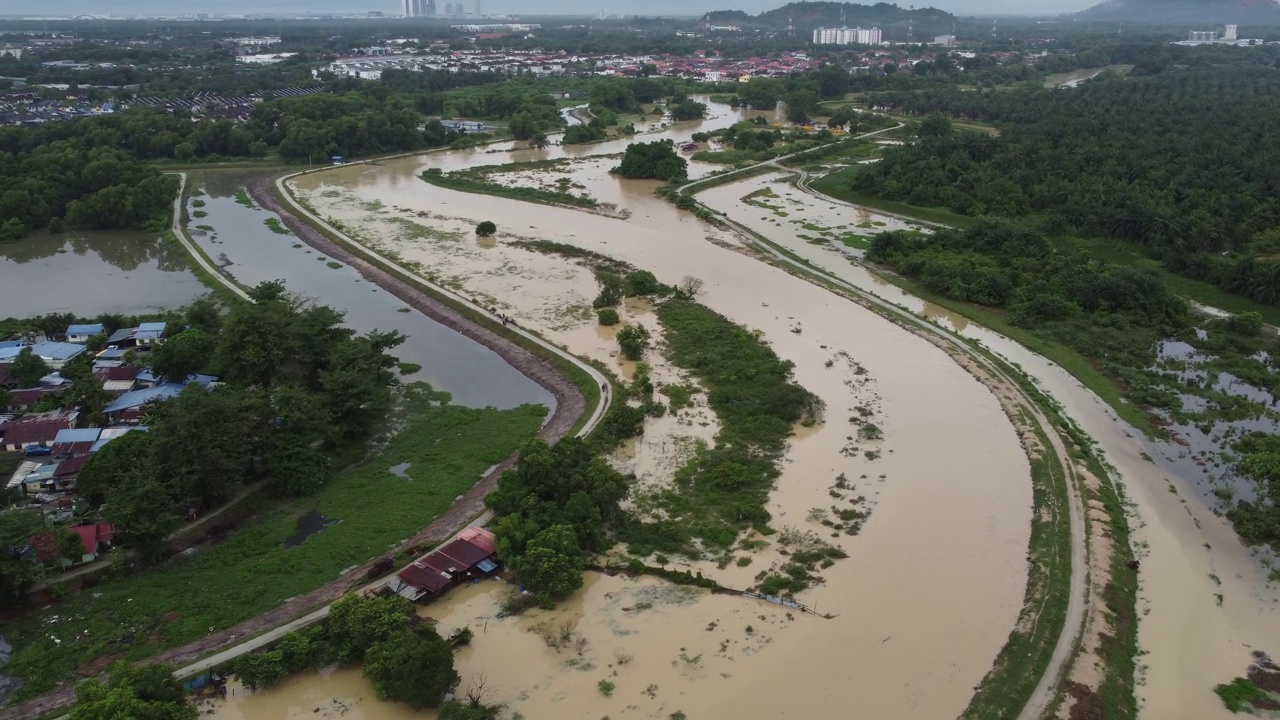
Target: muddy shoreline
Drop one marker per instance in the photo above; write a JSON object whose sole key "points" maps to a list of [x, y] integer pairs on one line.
{"points": [[570, 404]]}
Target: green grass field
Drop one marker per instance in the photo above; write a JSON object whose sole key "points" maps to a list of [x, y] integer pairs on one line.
{"points": [[447, 448]]}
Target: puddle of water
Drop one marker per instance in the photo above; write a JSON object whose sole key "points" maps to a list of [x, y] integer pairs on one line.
{"points": [[400, 470], [475, 375], [310, 523], [88, 273]]}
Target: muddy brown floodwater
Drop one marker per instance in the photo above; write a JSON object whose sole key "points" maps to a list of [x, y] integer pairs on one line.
{"points": [[933, 583], [1190, 556]]}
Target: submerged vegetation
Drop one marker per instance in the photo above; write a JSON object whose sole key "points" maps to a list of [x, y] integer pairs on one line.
{"points": [[722, 490], [482, 180]]}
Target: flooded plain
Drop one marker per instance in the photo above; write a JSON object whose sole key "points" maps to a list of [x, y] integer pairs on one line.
{"points": [[238, 240], [87, 273], [947, 487]]}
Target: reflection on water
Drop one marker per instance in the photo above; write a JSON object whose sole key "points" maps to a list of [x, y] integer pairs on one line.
{"points": [[94, 272], [252, 253]]}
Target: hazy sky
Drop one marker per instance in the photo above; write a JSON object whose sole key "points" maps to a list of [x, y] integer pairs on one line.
{"points": [[646, 7]]}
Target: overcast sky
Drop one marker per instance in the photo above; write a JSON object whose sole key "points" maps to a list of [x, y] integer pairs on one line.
{"points": [[645, 7]]}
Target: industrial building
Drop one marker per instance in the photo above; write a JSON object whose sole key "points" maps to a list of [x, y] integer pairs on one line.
{"points": [[846, 36]]}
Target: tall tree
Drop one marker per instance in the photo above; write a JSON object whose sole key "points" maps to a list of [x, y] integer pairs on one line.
{"points": [[28, 368], [414, 667]]}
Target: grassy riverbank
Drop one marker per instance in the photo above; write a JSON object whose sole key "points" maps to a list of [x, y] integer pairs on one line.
{"points": [[1080, 367], [366, 511], [836, 185], [1026, 653]]}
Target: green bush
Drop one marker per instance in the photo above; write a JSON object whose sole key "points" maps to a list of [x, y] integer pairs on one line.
{"points": [[633, 339], [608, 317]]}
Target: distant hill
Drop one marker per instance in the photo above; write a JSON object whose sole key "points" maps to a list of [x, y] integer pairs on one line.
{"points": [[1166, 12], [808, 15]]}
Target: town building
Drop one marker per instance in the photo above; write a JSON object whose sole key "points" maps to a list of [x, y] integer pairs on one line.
{"points": [[847, 36]]}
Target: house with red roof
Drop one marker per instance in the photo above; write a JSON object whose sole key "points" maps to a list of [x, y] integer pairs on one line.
{"points": [[471, 555]]}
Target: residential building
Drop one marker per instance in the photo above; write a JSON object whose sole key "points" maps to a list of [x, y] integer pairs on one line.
{"points": [[54, 354], [847, 36], [470, 555], [36, 429], [82, 333], [418, 8]]}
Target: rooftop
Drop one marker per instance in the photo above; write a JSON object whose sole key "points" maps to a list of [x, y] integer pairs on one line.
{"points": [[138, 398]]}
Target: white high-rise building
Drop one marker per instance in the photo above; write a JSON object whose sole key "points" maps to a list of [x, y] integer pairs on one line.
{"points": [[418, 8], [1230, 34], [846, 36]]}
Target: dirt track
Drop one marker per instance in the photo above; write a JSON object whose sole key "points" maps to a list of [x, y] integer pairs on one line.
{"points": [[570, 405]]}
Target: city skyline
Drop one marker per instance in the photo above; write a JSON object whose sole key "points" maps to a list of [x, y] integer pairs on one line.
{"points": [[577, 7]]}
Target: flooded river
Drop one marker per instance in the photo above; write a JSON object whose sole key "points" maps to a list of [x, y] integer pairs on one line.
{"points": [[933, 583], [1190, 555], [239, 241], [87, 273]]}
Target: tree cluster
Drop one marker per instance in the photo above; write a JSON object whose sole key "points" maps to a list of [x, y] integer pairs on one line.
{"points": [[404, 658], [82, 185], [296, 382], [551, 510], [1111, 313], [137, 692], [656, 160]]}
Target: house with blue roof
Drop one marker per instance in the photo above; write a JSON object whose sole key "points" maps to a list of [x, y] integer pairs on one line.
{"points": [[55, 354], [137, 398], [82, 333], [149, 334]]}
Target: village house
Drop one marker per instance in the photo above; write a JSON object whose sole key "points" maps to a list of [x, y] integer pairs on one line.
{"points": [[469, 556], [35, 429], [54, 354], [96, 539], [82, 333]]}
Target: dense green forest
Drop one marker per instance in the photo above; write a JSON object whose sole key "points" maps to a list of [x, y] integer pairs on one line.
{"points": [[80, 184], [1180, 162]]}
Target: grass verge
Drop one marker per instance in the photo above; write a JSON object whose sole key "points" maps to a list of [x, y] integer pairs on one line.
{"points": [[1026, 653], [367, 511]]}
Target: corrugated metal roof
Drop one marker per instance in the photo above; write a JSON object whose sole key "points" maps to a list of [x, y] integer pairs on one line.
{"points": [[138, 398], [152, 326], [90, 329], [74, 435]]}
